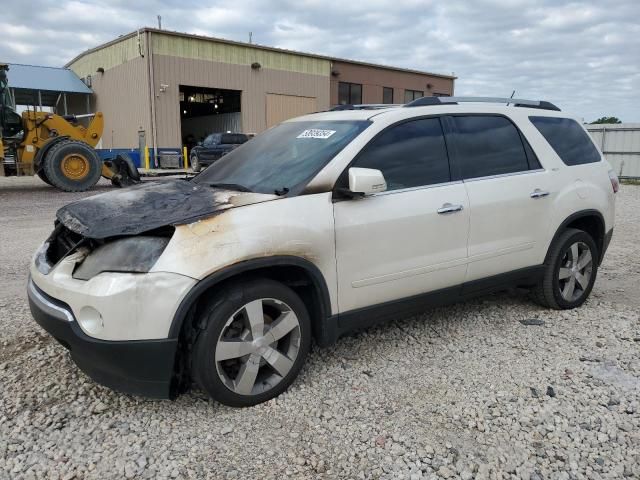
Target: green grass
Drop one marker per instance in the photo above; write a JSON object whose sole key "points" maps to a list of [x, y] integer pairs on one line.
{"points": [[630, 181]]}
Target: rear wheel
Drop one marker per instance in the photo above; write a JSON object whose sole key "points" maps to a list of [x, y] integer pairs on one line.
{"points": [[570, 272], [255, 339], [72, 166]]}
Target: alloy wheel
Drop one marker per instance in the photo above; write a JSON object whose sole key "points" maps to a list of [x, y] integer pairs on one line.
{"points": [[257, 346], [576, 268]]}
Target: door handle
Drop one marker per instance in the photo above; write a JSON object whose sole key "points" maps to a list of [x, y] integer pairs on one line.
{"points": [[449, 208], [537, 193]]}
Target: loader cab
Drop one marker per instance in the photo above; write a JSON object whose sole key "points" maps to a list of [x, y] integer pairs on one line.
{"points": [[10, 123]]}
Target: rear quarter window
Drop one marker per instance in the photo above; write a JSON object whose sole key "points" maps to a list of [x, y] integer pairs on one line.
{"points": [[568, 140]]}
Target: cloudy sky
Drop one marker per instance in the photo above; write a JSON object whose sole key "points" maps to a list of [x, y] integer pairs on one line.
{"points": [[584, 56]]}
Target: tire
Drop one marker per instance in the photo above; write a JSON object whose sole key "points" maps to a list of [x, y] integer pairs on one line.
{"points": [[272, 332], [43, 176], [195, 163], [72, 166], [556, 292]]}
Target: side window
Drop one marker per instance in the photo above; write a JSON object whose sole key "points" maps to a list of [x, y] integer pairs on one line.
{"points": [[411, 154], [210, 140], [534, 163], [488, 145], [349, 93], [568, 139]]}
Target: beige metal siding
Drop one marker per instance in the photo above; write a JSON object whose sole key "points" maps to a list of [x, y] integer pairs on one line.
{"points": [[202, 49], [620, 144], [284, 107], [108, 57], [122, 95], [254, 84]]}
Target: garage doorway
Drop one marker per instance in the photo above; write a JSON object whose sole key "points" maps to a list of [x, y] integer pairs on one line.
{"points": [[283, 107], [208, 110]]}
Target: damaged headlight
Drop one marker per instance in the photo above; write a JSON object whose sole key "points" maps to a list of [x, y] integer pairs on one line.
{"points": [[132, 255]]}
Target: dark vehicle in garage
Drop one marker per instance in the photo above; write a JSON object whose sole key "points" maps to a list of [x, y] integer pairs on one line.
{"points": [[214, 146]]}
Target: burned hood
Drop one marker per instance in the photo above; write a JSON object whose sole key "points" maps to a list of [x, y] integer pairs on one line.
{"points": [[148, 206]]}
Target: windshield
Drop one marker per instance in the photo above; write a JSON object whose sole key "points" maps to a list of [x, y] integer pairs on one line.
{"points": [[284, 158]]}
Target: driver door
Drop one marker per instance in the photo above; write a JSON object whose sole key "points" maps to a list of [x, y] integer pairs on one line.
{"points": [[412, 238]]}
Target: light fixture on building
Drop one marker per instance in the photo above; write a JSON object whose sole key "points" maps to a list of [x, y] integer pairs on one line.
{"points": [[184, 111], [215, 105], [256, 66], [100, 70], [429, 86], [192, 98], [335, 73]]}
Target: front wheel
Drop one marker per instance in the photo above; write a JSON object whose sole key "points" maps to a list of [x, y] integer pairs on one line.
{"points": [[255, 339], [72, 166], [570, 271], [195, 163]]}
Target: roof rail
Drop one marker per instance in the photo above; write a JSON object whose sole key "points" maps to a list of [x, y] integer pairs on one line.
{"points": [[516, 102], [364, 106]]}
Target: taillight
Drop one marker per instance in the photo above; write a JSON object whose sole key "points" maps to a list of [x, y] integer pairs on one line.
{"points": [[615, 183]]}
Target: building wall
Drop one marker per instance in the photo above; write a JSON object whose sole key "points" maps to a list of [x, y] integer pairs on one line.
{"points": [[196, 48], [174, 71], [116, 53], [373, 79], [121, 93]]}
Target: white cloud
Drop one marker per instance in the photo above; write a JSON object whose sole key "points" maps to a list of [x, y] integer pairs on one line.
{"points": [[584, 56]]}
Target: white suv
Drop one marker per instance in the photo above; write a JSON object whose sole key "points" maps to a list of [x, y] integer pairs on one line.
{"points": [[323, 224]]}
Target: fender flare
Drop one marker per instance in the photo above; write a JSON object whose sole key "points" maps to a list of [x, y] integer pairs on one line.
{"points": [[247, 266], [572, 218], [42, 153]]}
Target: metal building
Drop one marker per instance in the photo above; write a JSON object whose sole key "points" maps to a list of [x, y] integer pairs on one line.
{"points": [[620, 144], [164, 89]]}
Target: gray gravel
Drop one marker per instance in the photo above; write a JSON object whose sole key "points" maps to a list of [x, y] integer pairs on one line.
{"points": [[477, 390]]}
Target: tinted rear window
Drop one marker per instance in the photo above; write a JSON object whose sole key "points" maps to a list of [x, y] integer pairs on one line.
{"points": [[488, 145], [568, 139], [234, 138]]}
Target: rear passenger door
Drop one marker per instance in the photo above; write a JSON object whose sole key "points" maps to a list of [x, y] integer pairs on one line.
{"points": [[412, 238], [509, 194]]}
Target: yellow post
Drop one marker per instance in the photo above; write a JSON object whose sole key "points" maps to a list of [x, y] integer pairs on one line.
{"points": [[146, 158], [184, 157]]}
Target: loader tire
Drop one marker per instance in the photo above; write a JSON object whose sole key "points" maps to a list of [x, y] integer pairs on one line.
{"points": [[43, 176], [72, 166]]}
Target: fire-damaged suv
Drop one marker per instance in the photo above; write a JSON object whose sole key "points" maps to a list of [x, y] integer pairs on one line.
{"points": [[328, 222]]}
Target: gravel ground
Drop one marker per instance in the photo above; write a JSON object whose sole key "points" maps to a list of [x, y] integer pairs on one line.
{"points": [[461, 392]]}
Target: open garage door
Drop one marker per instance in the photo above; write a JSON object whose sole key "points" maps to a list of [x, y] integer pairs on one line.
{"points": [[208, 110], [283, 107]]}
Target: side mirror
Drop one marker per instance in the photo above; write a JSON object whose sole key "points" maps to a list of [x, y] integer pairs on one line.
{"points": [[366, 181]]}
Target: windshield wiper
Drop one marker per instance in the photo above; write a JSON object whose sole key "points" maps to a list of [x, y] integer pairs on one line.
{"points": [[230, 186], [281, 192]]}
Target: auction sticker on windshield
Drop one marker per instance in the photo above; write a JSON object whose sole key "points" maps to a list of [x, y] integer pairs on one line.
{"points": [[316, 133]]}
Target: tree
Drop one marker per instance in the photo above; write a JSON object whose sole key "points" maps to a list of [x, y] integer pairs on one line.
{"points": [[606, 120]]}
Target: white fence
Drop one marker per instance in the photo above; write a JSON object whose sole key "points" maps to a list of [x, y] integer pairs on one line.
{"points": [[620, 144]]}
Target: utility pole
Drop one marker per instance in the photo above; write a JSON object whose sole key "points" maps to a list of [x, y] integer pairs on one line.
{"points": [[250, 36], [159, 22]]}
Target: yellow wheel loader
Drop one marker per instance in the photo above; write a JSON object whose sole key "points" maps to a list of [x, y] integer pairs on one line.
{"points": [[59, 149]]}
